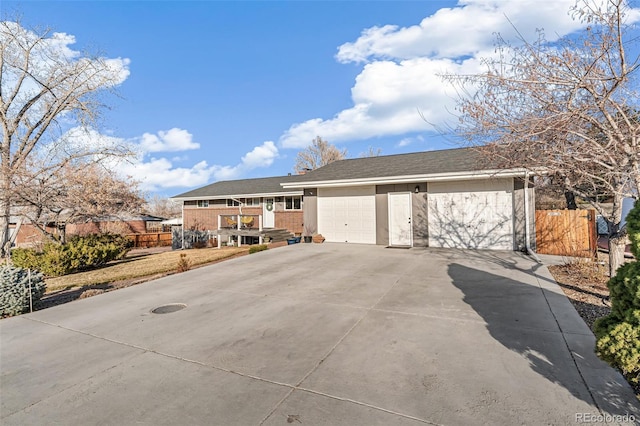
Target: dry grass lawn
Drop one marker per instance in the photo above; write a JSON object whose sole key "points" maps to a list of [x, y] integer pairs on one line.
{"points": [[144, 266]]}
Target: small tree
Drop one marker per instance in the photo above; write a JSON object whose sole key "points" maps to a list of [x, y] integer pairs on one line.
{"points": [[19, 290], [162, 207], [318, 154], [371, 152]]}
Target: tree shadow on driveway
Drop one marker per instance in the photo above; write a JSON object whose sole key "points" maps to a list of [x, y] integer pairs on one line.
{"points": [[524, 319]]}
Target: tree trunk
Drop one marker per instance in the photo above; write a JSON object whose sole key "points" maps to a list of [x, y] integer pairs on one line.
{"points": [[5, 217], [571, 200], [617, 246], [4, 228], [616, 238]]}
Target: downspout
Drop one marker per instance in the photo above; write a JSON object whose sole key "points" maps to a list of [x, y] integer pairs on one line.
{"points": [[527, 235], [239, 206]]}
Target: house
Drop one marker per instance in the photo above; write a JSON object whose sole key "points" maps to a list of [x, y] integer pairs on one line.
{"points": [[448, 198], [263, 204]]}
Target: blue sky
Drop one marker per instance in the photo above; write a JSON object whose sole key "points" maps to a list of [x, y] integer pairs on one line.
{"points": [[219, 90]]}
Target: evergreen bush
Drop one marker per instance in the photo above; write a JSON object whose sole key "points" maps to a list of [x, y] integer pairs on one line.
{"points": [[25, 258], [619, 332], [14, 290], [78, 253]]}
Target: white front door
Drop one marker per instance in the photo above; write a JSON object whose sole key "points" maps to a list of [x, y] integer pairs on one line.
{"points": [[268, 216], [400, 229]]}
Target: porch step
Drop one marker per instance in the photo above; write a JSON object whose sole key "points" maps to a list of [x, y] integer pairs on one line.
{"points": [[277, 235]]}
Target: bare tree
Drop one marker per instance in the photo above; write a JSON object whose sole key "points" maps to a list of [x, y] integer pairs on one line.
{"points": [[45, 90], [371, 152], [568, 109], [73, 193], [318, 154], [162, 207]]}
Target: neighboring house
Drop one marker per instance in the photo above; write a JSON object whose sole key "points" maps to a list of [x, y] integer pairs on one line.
{"points": [[447, 198], [29, 235], [264, 198]]}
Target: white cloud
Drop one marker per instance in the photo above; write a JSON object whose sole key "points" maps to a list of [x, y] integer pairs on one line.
{"points": [[464, 30], [260, 156], [168, 141], [80, 142], [389, 99], [158, 173], [410, 140], [399, 89]]}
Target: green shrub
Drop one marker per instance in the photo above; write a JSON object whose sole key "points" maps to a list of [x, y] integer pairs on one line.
{"points": [[95, 250], [25, 258], [14, 290], [255, 249], [78, 253], [633, 228], [619, 332]]}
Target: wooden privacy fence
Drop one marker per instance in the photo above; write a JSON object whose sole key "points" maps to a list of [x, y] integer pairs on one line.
{"points": [[566, 232], [151, 239]]}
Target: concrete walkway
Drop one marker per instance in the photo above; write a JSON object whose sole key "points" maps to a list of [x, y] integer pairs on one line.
{"points": [[317, 334]]}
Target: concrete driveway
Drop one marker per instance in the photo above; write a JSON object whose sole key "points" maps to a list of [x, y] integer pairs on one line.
{"points": [[317, 334]]}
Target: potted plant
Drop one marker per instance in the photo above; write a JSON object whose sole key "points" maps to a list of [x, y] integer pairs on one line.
{"points": [[309, 230]]}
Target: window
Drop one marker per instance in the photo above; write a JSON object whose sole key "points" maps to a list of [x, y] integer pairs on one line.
{"points": [[249, 202], [203, 203], [293, 203]]}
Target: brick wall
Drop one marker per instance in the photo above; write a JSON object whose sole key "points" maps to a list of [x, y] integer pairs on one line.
{"points": [[289, 219], [29, 235]]}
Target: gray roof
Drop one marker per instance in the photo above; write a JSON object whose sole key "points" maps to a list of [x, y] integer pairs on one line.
{"points": [[416, 163], [270, 185], [385, 166]]}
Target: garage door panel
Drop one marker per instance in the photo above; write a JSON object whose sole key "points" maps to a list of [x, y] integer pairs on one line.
{"points": [[347, 214], [476, 215]]}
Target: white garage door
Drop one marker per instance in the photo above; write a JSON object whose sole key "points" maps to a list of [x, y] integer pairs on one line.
{"points": [[471, 214], [347, 214]]}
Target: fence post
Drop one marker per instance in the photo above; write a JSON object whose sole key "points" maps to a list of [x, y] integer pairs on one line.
{"points": [[30, 293]]}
